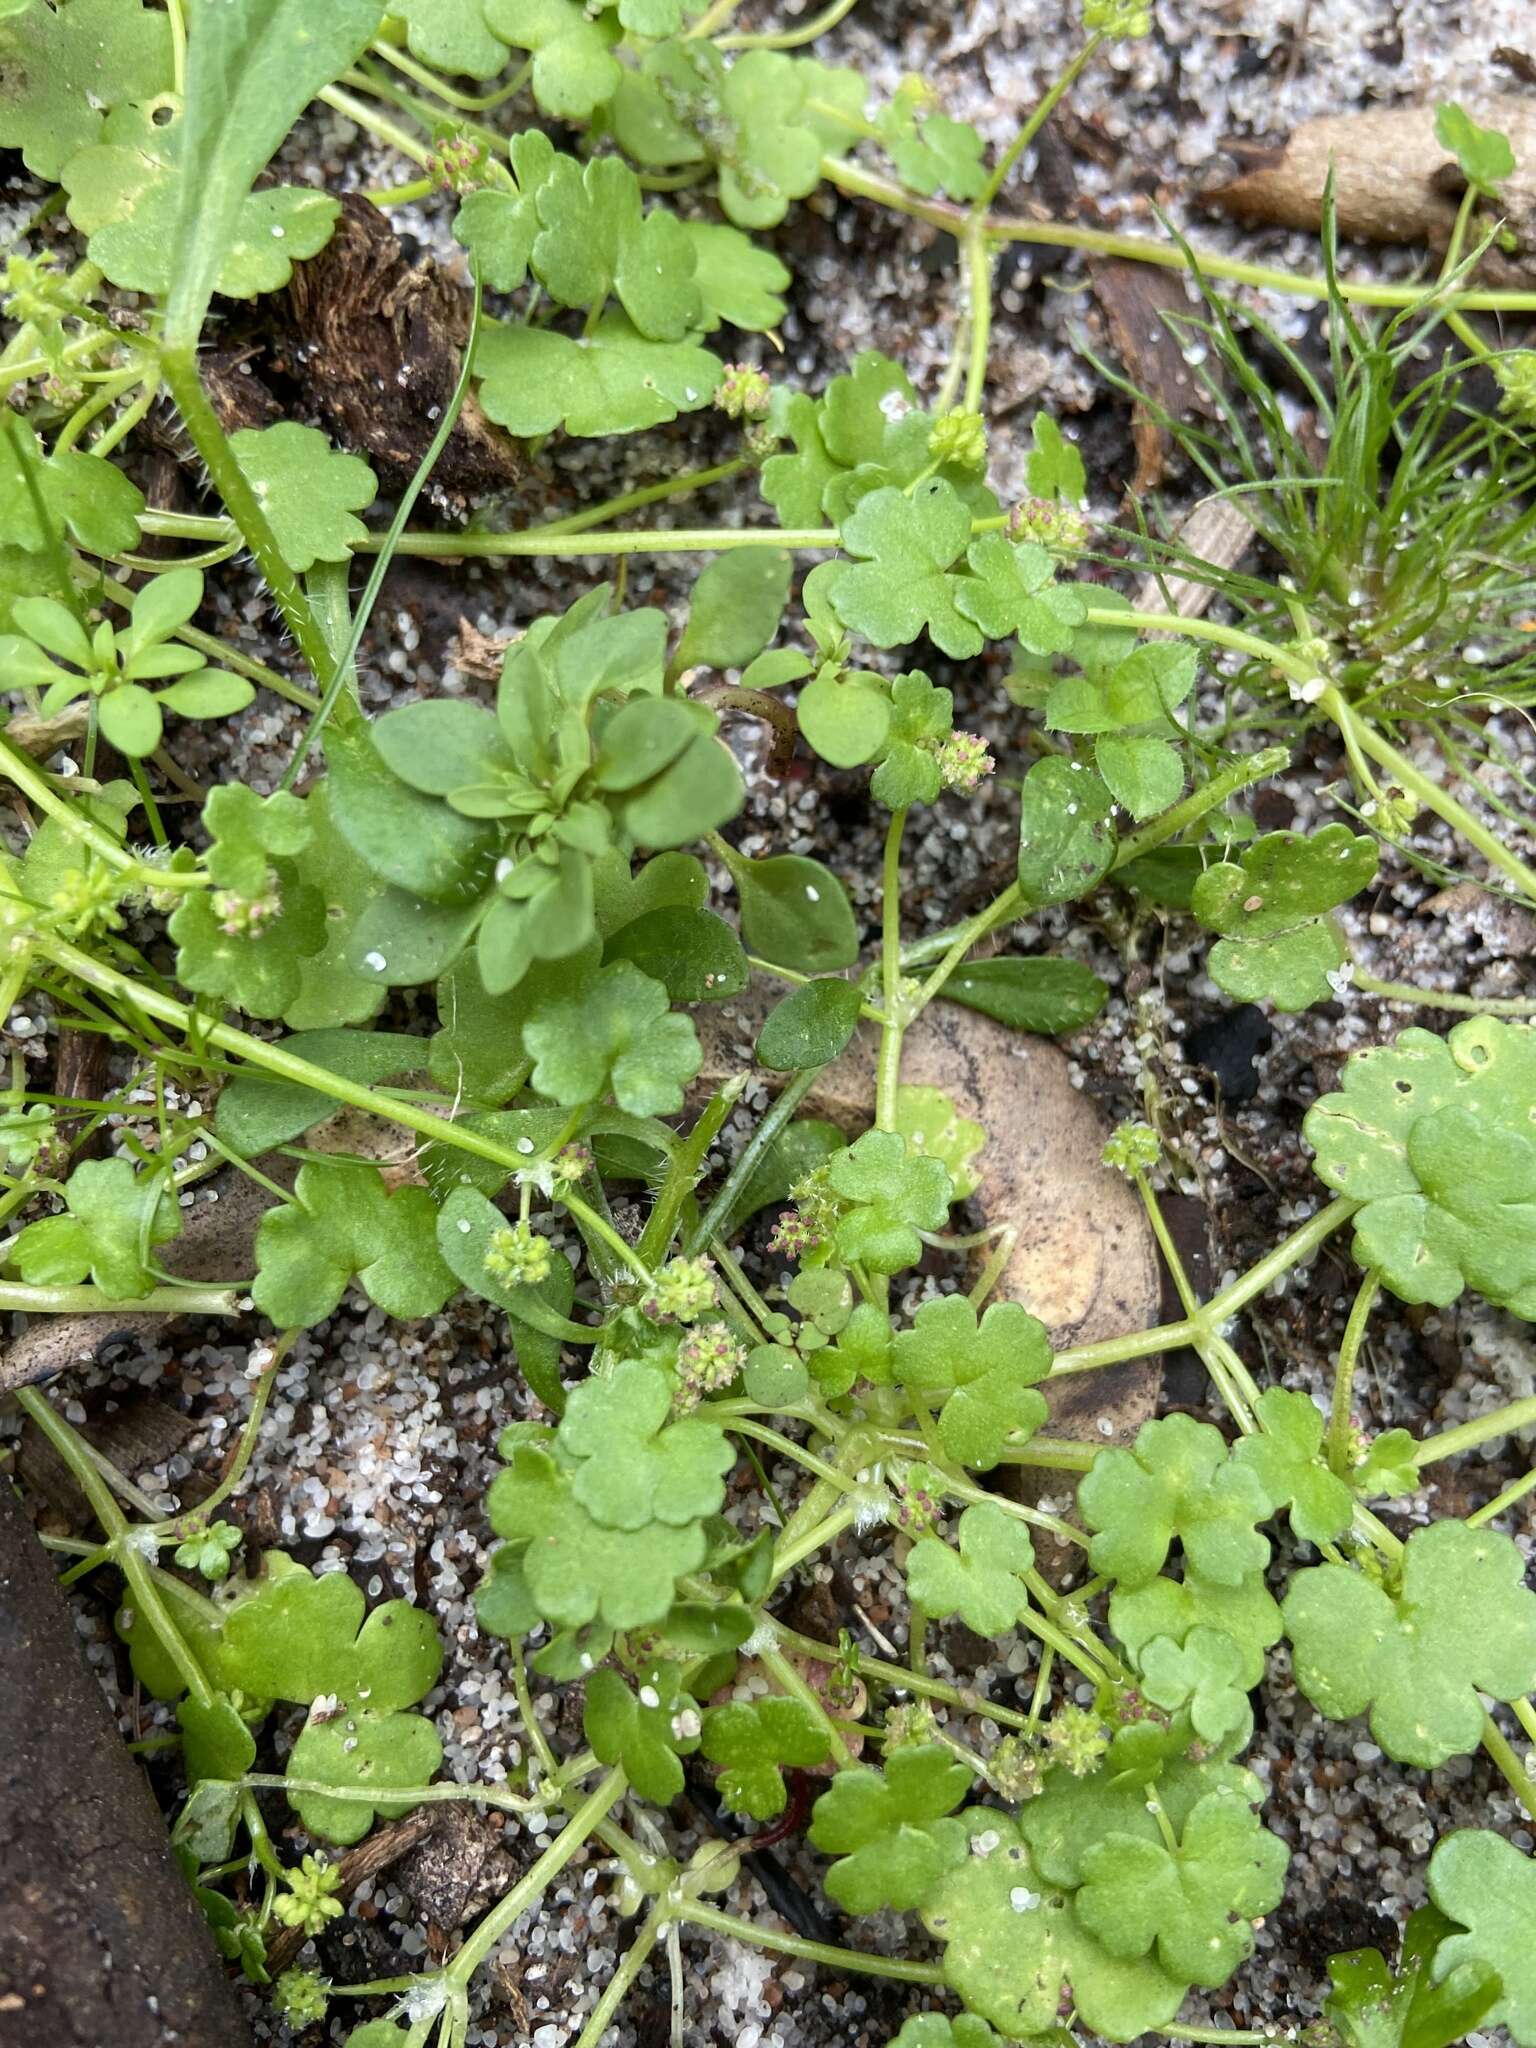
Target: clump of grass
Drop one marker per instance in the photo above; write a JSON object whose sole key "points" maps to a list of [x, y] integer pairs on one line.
{"points": [[1396, 513]]}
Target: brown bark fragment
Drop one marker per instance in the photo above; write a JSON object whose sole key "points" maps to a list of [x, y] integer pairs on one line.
{"points": [[101, 1944]]}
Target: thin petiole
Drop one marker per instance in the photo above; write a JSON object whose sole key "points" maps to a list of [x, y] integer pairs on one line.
{"points": [[1344, 1373]]}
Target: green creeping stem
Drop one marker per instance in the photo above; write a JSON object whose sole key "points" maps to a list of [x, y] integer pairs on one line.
{"points": [[74, 1301], [953, 219], [596, 1807], [274, 1060], [1359, 735], [894, 1019], [559, 540], [1344, 1375], [810, 1951]]}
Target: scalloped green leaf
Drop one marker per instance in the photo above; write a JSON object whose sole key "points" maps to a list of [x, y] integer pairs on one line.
{"points": [[1462, 1622], [1436, 1138]]}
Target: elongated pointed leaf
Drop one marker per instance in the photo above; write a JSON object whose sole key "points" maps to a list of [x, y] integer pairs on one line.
{"points": [[253, 66]]}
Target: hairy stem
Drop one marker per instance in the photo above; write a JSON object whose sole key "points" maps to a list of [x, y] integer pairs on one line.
{"points": [[178, 369]]}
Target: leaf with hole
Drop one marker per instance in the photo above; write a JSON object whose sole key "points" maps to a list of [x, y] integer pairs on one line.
{"points": [[63, 70], [1270, 907], [1433, 1137]]}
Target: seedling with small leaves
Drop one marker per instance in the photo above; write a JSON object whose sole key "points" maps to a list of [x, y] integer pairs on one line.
{"points": [[114, 668]]}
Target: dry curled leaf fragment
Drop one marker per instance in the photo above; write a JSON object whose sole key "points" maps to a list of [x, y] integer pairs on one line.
{"points": [[1393, 180]]}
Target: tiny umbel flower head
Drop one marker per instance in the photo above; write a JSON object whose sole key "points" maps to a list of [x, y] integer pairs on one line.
{"points": [[1516, 374], [1049, 525], [817, 1201], [517, 1256], [908, 1725], [681, 1292], [794, 1234], [456, 161], [743, 393], [964, 762], [1132, 1149], [247, 917], [1129, 1703], [84, 900], [310, 1898], [1128, 18], [571, 1164], [1392, 812], [1077, 1739], [914, 95], [301, 1997], [918, 1498], [959, 437], [1015, 1771], [708, 1359]]}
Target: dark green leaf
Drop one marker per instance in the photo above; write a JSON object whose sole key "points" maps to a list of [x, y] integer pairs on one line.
{"points": [[810, 1026], [1036, 995], [1066, 840], [251, 71], [256, 1111], [735, 608], [694, 954], [411, 840], [795, 913]]}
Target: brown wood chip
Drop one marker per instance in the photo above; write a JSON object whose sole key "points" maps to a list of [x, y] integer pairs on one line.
{"points": [[1135, 300]]}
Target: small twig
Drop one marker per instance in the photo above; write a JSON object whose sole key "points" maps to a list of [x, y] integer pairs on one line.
{"points": [[383, 1847]]}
